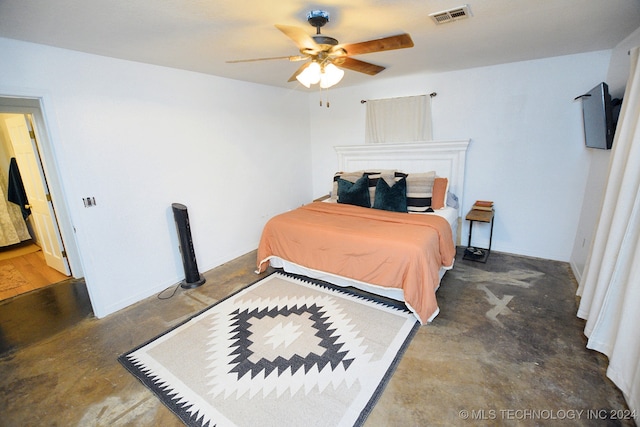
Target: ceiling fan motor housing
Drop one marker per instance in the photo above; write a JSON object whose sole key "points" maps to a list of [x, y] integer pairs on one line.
{"points": [[317, 18], [324, 40]]}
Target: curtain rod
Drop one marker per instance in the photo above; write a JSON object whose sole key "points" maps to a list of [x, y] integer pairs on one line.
{"points": [[432, 95]]}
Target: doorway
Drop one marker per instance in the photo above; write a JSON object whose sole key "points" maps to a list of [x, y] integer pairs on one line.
{"points": [[23, 269], [23, 124]]}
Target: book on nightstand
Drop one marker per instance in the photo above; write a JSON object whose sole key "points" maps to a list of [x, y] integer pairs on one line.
{"points": [[483, 205]]}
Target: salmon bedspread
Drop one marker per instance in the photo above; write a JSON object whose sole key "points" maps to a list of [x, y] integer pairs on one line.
{"points": [[388, 249]]}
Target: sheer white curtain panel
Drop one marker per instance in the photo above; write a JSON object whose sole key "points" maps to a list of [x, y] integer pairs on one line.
{"points": [[405, 119], [610, 285]]}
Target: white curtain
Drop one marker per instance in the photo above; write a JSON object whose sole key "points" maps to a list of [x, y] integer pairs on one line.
{"points": [[610, 285], [405, 119]]}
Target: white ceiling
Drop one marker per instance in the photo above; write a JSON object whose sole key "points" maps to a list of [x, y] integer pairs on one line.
{"points": [[200, 35]]}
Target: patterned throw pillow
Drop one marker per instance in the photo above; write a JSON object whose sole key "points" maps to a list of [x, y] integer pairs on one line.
{"points": [[419, 191]]}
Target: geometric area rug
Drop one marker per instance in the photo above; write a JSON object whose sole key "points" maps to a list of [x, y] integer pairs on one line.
{"points": [[11, 278], [284, 351]]}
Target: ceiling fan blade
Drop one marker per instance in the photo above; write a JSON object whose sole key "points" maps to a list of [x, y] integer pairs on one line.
{"points": [[300, 38], [401, 41], [360, 66], [290, 58], [298, 71]]}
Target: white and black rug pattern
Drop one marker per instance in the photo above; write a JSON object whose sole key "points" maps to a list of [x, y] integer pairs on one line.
{"points": [[286, 350]]}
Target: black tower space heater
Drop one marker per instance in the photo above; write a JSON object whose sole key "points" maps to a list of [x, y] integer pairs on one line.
{"points": [[192, 277]]}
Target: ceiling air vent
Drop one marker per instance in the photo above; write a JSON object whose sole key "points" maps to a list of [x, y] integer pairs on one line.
{"points": [[450, 15]]}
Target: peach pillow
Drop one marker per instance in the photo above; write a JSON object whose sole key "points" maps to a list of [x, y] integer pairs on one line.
{"points": [[439, 194]]}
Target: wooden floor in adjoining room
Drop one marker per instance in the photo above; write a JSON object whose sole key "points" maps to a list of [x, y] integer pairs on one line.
{"points": [[25, 272]]}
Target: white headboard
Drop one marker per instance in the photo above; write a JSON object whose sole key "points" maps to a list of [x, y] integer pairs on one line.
{"points": [[447, 158]]}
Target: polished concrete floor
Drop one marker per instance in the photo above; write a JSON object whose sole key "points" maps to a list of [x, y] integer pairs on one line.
{"points": [[506, 349]]}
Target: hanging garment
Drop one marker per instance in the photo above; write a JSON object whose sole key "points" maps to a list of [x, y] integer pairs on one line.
{"points": [[15, 192]]}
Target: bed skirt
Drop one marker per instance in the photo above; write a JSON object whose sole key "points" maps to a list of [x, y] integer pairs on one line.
{"points": [[393, 293]]}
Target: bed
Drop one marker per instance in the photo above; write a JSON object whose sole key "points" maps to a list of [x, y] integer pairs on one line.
{"points": [[396, 255]]}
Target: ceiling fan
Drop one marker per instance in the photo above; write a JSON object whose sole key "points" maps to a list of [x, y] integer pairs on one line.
{"points": [[324, 54]]}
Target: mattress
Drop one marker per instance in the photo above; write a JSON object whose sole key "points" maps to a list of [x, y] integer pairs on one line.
{"points": [[448, 213]]}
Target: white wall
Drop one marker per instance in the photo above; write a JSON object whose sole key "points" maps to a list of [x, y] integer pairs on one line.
{"points": [[617, 75], [527, 151], [138, 138]]}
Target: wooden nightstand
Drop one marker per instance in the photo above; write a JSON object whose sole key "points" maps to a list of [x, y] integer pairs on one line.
{"points": [[473, 253]]}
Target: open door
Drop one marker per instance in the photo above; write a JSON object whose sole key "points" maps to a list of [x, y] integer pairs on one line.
{"points": [[25, 147]]}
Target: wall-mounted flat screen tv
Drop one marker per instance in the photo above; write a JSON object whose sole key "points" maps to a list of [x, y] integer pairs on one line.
{"points": [[600, 116]]}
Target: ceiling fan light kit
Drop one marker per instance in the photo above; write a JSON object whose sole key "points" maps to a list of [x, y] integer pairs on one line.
{"points": [[310, 75], [330, 76], [325, 54], [327, 75]]}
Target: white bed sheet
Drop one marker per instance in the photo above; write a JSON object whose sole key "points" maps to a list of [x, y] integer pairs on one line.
{"points": [[449, 213]]}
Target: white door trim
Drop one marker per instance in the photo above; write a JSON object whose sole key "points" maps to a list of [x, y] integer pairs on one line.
{"points": [[45, 225], [37, 106]]}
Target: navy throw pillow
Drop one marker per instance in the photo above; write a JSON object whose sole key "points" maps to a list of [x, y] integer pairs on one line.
{"points": [[391, 198], [354, 193]]}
